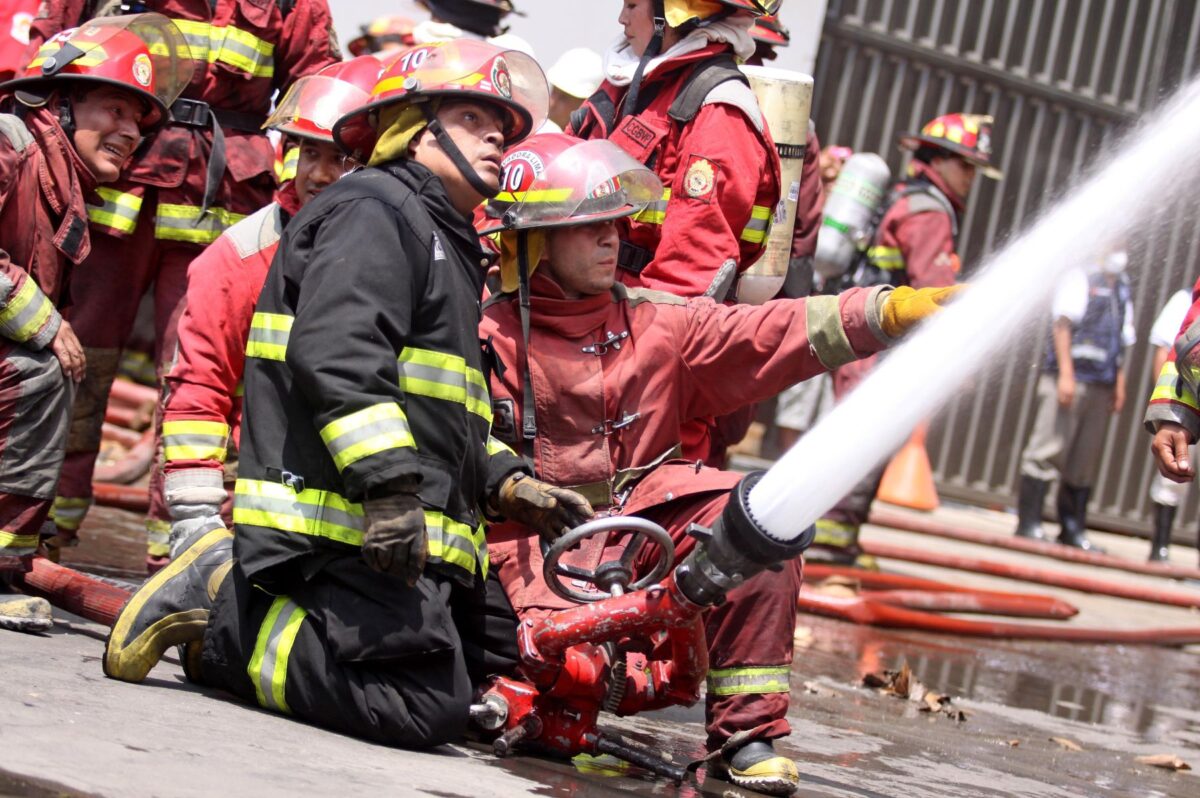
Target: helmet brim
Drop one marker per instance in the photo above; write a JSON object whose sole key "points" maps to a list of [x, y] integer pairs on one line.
{"points": [[159, 114], [914, 141]]}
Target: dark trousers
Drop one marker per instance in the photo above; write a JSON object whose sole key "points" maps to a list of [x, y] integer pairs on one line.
{"points": [[361, 653]]}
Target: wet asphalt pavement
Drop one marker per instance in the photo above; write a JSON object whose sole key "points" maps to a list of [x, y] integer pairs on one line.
{"points": [[69, 731]]}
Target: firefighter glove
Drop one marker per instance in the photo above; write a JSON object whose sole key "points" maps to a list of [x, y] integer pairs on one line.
{"points": [[395, 541], [905, 307], [548, 510]]}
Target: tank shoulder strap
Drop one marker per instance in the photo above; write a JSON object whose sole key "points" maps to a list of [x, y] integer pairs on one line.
{"points": [[717, 80], [924, 197], [14, 129]]}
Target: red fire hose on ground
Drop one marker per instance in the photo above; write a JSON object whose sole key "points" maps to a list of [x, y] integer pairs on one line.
{"points": [[135, 498], [929, 526], [73, 591], [1027, 573], [863, 610]]}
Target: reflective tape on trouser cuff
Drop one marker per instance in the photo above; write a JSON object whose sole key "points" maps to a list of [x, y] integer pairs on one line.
{"points": [[68, 513], [158, 537], [13, 545], [833, 533], [749, 680], [269, 662]]}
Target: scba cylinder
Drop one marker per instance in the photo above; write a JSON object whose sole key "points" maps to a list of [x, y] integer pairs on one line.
{"points": [[849, 211], [785, 99]]}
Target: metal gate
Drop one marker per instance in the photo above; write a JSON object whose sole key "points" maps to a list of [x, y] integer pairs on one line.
{"points": [[1061, 77]]}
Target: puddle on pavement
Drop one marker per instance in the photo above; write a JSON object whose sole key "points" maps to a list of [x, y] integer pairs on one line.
{"points": [[1145, 691]]}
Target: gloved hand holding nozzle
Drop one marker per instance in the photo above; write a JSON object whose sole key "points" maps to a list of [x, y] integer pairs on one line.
{"points": [[905, 307]]}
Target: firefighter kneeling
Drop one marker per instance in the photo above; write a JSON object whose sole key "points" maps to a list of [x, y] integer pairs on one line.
{"points": [[595, 380], [358, 597]]}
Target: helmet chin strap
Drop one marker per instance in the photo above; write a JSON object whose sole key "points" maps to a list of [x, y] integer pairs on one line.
{"points": [[455, 154]]}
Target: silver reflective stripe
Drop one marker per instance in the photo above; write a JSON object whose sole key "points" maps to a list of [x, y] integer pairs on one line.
{"points": [[1089, 352], [268, 664]]}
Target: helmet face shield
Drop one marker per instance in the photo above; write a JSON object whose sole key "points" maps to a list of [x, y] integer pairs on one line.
{"points": [[313, 105], [585, 182], [142, 53]]}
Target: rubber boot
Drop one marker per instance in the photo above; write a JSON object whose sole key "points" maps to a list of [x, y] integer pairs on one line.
{"points": [[756, 766], [1160, 545], [170, 609], [1030, 497], [1072, 516]]}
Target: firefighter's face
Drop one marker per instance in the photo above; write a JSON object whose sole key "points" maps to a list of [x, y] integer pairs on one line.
{"points": [[106, 129], [583, 259], [959, 174], [477, 129], [637, 18], [320, 164]]}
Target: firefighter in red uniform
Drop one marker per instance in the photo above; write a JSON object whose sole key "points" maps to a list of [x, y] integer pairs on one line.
{"points": [[202, 405], [206, 170], [75, 116], [674, 99], [603, 375], [914, 245]]}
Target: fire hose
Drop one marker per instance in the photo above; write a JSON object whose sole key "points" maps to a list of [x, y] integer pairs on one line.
{"points": [[1027, 573], [74, 591], [132, 466], [928, 526], [866, 611]]}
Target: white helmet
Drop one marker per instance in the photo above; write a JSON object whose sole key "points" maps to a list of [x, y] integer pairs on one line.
{"points": [[577, 72]]}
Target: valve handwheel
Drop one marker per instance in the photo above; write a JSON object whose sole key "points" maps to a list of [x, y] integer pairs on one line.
{"points": [[610, 578]]}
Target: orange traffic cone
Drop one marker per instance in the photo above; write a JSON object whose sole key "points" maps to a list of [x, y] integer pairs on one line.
{"points": [[908, 480]]}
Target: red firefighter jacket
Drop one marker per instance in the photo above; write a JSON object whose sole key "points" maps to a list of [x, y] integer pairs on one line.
{"points": [[43, 224], [15, 18], [245, 50], [720, 173], [203, 409], [615, 375], [1172, 399], [915, 241]]}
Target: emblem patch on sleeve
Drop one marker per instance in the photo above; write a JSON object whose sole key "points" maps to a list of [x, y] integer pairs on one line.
{"points": [[700, 179]]}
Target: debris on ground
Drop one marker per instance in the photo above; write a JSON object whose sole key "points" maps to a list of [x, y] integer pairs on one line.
{"points": [[903, 684], [1164, 761], [1066, 744]]}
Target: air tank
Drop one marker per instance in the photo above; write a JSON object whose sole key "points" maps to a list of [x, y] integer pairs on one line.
{"points": [[849, 210]]}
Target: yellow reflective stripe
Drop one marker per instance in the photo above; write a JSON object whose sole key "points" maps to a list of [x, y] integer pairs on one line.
{"points": [[759, 227], [269, 333], [158, 537], [834, 533], [539, 195], [495, 447], [655, 212], [317, 513], [119, 211], [438, 375], [285, 170], [272, 650], [234, 46], [456, 544], [1171, 388], [749, 680], [195, 440], [95, 56], [68, 513], [14, 545], [376, 429], [886, 258], [183, 223], [25, 311]]}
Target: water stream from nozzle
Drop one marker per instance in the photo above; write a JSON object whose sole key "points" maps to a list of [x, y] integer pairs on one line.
{"points": [[1158, 162]]}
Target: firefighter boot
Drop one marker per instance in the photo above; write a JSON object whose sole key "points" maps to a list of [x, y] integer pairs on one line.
{"points": [[1030, 497], [1072, 517], [170, 609], [1160, 544], [756, 766], [20, 613]]}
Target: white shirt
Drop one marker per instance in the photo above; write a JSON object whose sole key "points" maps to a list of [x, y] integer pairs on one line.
{"points": [[1166, 326], [1071, 300]]}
